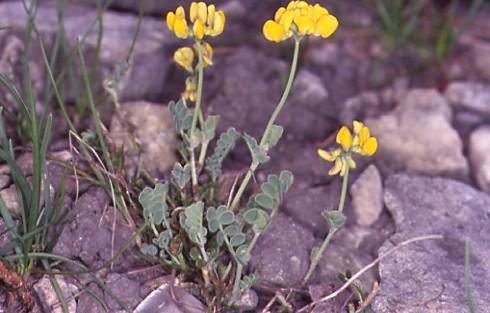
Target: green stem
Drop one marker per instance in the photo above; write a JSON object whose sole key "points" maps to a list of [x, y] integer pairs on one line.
{"points": [[200, 79], [316, 258], [272, 119]]}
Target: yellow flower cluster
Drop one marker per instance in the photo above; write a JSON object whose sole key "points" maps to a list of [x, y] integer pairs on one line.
{"points": [[362, 143], [206, 20], [299, 19], [185, 56]]}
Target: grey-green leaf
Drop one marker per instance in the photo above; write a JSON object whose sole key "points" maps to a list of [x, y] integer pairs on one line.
{"points": [[182, 117], [226, 218], [274, 136], [231, 230], [237, 239], [154, 203], [259, 155], [193, 221], [210, 124], [181, 175], [265, 201], [150, 250], [225, 144], [335, 219]]}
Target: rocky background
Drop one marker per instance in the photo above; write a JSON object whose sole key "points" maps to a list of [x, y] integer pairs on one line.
{"points": [[431, 174]]}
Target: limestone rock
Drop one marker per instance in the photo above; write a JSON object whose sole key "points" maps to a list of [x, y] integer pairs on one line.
{"points": [[367, 196], [170, 299], [49, 301], [417, 136], [469, 96], [282, 254], [428, 276], [480, 156], [147, 133]]}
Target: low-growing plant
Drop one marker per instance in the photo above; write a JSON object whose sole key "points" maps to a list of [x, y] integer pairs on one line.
{"points": [[194, 230]]}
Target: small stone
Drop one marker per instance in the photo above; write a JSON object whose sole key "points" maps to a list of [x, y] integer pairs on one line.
{"points": [[480, 156], [361, 106], [481, 57], [151, 127], [469, 96], [48, 299], [417, 136], [323, 53], [11, 200], [367, 196], [248, 301], [282, 253], [131, 291], [170, 299]]}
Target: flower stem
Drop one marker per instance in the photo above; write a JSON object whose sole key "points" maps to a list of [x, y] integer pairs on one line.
{"points": [[200, 79], [272, 119], [318, 255]]}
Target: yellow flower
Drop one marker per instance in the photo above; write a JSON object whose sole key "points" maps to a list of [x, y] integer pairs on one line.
{"points": [[300, 19], [362, 143], [184, 57], [205, 20], [190, 90]]}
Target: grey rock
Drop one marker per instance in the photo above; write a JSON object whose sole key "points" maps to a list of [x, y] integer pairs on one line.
{"points": [[150, 127], [251, 90], [366, 104], [481, 59], [87, 303], [428, 276], [248, 301], [141, 80], [4, 181], [318, 291], [469, 96], [323, 53], [88, 236], [480, 156], [306, 205], [11, 200], [466, 121], [417, 136], [367, 196], [130, 291], [170, 299], [49, 301], [282, 254], [4, 237]]}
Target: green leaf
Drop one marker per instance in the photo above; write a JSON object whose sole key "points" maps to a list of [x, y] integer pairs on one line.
{"points": [[225, 144], [193, 223], [257, 217], [150, 250], [220, 238], [259, 155], [209, 128], [243, 255], [274, 136], [335, 219], [181, 175], [154, 203], [231, 230], [265, 201], [249, 281], [286, 179], [270, 189], [162, 240], [182, 117], [237, 239], [213, 225], [226, 218]]}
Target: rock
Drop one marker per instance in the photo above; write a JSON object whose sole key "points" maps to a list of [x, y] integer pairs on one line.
{"points": [[250, 89], [367, 104], [130, 291], [469, 96], [248, 301], [4, 235], [87, 303], [4, 181], [466, 121], [170, 299], [282, 254], [428, 276], [480, 156], [306, 205], [150, 126], [417, 136], [367, 196], [48, 301], [335, 305], [481, 59], [11, 200], [141, 80], [88, 235], [323, 53]]}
